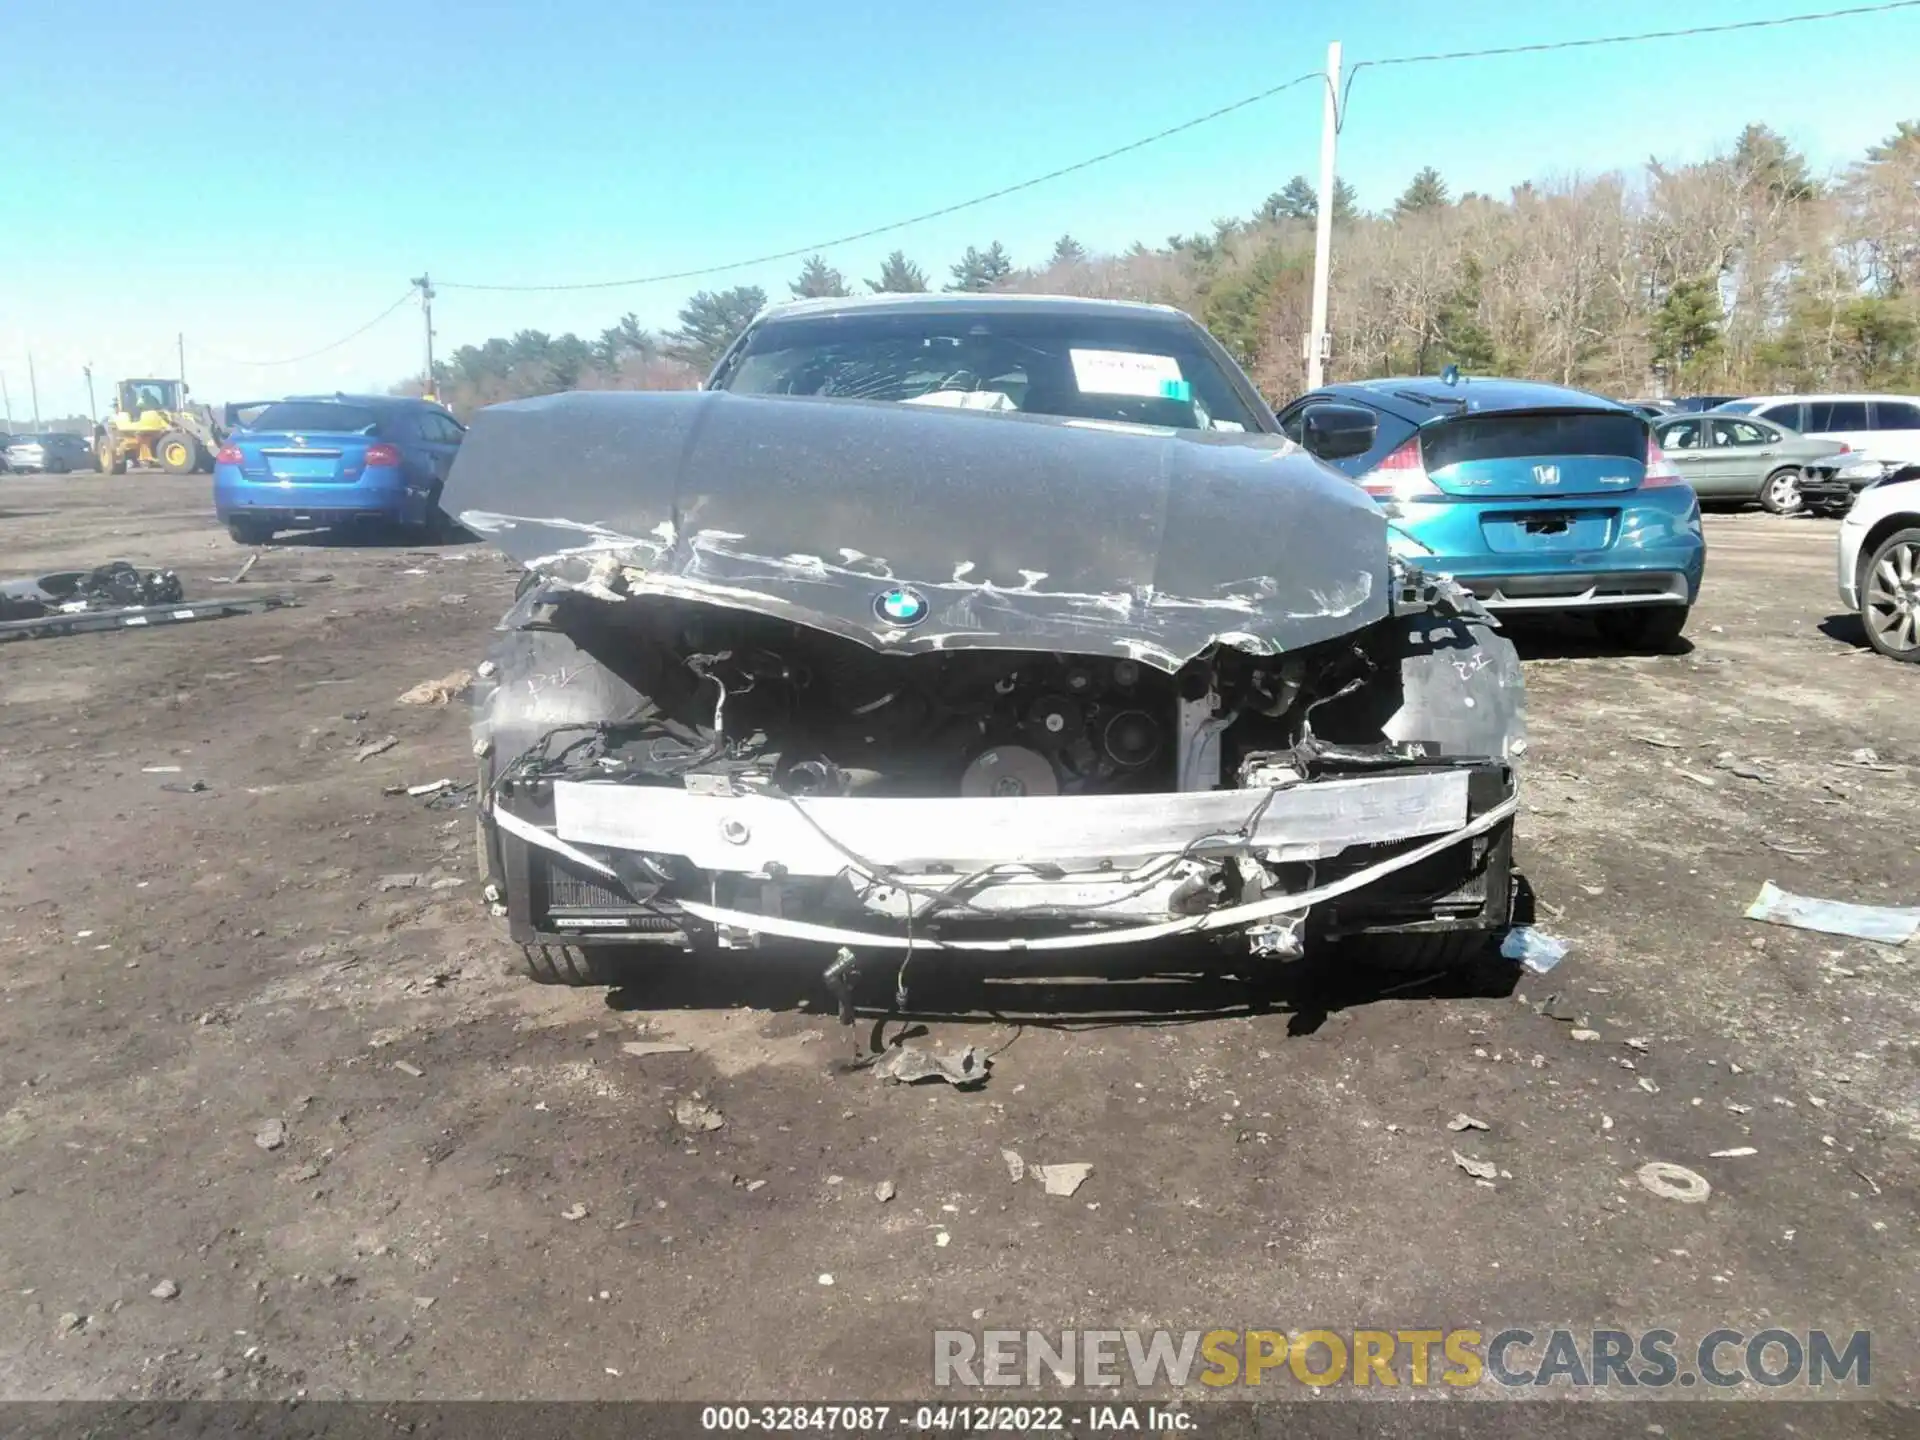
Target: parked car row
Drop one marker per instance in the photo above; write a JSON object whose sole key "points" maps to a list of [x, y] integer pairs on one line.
{"points": [[1872, 436], [53, 453]]}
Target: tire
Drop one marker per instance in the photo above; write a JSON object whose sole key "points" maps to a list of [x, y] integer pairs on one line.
{"points": [[246, 530], [58, 467], [115, 462], [178, 453], [574, 965], [1648, 630], [1890, 604], [1780, 492]]}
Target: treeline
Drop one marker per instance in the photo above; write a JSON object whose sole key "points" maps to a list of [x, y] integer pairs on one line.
{"points": [[1742, 273]]}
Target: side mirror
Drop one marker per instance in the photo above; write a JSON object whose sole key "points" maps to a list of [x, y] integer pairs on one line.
{"points": [[1337, 432]]}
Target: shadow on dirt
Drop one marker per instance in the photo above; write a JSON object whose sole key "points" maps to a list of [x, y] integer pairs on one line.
{"points": [[1571, 637], [1066, 990], [1846, 629], [370, 535]]}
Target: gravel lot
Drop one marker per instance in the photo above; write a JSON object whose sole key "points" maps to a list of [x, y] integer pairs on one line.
{"points": [[476, 1192]]}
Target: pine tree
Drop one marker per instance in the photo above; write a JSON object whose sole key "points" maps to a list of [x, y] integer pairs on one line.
{"points": [[1686, 328], [710, 321], [817, 279], [981, 269], [1300, 200], [1764, 161], [1426, 191], [1068, 251], [899, 276]]}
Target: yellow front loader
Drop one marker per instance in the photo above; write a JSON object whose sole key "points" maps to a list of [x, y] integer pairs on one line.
{"points": [[153, 424]]}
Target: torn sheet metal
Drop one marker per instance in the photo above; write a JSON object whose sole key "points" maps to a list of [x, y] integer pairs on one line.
{"points": [[747, 833], [914, 528]]}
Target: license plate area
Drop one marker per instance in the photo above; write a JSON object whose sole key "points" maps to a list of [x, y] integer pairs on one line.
{"points": [[1557, 531]]}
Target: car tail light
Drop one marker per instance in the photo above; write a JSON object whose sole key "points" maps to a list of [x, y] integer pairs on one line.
{"points": [[382, 457], [1845, 449], [229, 455], [1660, 472], [1401, 475]]}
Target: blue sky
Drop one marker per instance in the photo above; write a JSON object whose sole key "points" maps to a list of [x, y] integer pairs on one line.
{"points": [[276, 179]]}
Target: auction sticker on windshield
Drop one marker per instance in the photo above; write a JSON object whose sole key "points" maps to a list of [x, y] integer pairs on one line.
{"points": [[1125, 372]]}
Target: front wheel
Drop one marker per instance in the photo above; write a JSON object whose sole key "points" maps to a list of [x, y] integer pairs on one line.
{"points": [[1890, 596], [1649, 630], [1780, 494], [178, 453]]}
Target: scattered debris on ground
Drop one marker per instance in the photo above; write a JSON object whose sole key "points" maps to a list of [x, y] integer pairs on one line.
{"points": [[376, 747], [908, 1064], [884, 1191], [271, 1135], [641, 1049], [1062, 1179], [693, 1114], [448, 687], [1885, 923], [1464, 1121], [1479, 1169], [1674, 1182], [1536, 950]]}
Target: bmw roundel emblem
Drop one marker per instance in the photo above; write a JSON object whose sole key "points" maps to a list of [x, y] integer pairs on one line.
{"points": [[902, 605]]}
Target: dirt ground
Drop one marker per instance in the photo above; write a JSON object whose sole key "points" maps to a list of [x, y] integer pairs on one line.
{"points": [[480, 1195]]}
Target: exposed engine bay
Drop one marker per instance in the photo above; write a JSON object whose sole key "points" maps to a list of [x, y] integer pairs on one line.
{"points": [[706, 768]]}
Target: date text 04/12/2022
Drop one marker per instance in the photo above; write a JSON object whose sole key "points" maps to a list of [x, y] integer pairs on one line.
{"points": [[861, 1420]]}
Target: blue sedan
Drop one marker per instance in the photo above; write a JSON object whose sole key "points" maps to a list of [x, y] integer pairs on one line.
{"points": [[1533, 496], [335, 460]]}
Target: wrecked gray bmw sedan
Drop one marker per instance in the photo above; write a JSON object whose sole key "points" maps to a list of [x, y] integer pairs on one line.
{"points": [[964, 624]]}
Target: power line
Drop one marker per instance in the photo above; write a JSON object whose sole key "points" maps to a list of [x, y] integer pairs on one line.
{"points": [[893, 225], [1683, 33], [405, 296], [1199, 120]]}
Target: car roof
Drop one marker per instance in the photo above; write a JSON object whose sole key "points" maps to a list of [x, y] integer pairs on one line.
{"points": [[1479, 394], [961, 302], [1827, 398], [371, 402]]}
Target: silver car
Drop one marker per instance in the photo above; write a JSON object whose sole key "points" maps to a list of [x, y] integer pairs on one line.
{"points": [[52, 454], [1739, 458]]}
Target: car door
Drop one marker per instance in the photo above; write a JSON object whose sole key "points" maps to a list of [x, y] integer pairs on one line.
{"points": [[1744, 452], [1896, 431], [443, 434], [1686, 444]]}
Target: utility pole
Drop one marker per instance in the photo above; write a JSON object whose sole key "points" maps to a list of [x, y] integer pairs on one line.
{"points": [[6, 399], [1319, 342], [180, 347], [425, 286], [33, 384], [93, 411]]}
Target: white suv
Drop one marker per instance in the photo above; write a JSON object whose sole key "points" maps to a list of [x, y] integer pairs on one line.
{"points": [[1886, 427], [1879, 564]]}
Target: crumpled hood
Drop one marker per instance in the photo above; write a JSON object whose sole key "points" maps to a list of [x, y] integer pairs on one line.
{"points": [[1013, 531]]}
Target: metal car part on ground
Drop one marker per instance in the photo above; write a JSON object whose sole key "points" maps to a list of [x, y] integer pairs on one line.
{"points": [[901, 678], [110, 597]]}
